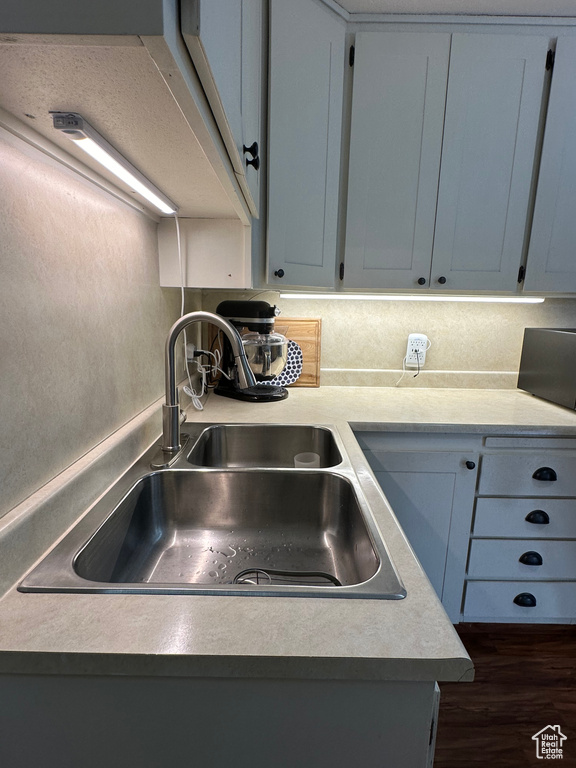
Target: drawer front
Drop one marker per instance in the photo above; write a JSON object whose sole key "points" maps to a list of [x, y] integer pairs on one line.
{"points": [[512, 559], [525, 518], [494, 600], [512, 474]]}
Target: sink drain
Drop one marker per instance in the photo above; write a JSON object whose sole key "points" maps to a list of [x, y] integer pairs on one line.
{"points": [[263, 576]]}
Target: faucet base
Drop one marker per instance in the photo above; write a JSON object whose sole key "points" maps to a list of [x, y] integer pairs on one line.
{"points": [[163, 459]]}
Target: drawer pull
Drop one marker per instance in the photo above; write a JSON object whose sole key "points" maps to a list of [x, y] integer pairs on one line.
{"points": [[531, 558], [470, 465], [525, 600], [546, 474], [538, 517]]}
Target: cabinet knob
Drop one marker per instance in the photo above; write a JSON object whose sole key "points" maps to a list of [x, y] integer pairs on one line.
{"points": [[421, 281], [546, 474], [538, 517], [254, 162], [470, 465], [442, 280], [525, 600], [531, 558], [279, 273], [251, 150]]}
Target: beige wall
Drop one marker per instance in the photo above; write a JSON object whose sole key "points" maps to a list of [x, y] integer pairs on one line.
{"points": [[83, 323], [473, 345], [83, 320]]}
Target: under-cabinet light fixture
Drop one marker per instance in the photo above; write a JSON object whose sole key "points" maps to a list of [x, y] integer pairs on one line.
{"points": [[89, 140], [412, 297]]}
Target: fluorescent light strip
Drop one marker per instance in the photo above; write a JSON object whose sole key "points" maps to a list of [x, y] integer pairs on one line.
{"points": [[406, 297], [101, 156], [428, 371], [86, 138]]}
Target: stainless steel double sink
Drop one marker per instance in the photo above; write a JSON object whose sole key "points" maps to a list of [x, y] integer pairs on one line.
{"points": [[232, 516]]}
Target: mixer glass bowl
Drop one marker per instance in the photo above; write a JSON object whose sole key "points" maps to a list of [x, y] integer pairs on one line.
{"points": [[267, 354]]}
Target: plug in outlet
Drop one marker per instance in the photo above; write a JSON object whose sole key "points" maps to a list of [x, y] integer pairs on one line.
{"points": [[416, 350], [190, 350]]}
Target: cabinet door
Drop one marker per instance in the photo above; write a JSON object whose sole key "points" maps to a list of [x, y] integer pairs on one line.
{"points": [[305, 118], [224, 38], [251, 96], [396, 140], [490, 134], [551, 264], [432, 495]]}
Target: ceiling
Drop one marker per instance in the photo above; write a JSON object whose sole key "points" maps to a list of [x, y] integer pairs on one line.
{"points": [[477, 7]]}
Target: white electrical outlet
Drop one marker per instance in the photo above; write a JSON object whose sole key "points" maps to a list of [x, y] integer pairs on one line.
{"points": [[416, 350]]}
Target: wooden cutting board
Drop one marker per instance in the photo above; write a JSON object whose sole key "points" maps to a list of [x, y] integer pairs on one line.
{"points": [[306, 332]]}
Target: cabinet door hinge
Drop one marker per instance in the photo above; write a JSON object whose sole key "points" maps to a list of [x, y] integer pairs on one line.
{"points": [[550, 57], [521, 274], [341, 270], [351, 55]]}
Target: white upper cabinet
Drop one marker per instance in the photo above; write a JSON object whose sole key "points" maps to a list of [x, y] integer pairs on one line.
{"points": [[224, 38], [551, 264], [307, 59], [395, 146], [490, 136], [441, 159]]}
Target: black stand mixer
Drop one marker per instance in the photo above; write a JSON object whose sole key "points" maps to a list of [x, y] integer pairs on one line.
{"points": [[266, 351]]}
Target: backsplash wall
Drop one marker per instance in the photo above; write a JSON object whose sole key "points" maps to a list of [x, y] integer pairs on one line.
{"points": [[83, 317], [474, 345]]}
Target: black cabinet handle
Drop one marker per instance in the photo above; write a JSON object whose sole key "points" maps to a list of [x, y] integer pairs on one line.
{"points": [[470, 465], [546, 474], [442, 280], [251, 150], [255, 163], [421, 281], [538, 517], [531, 558], [279, 273], [525, 600]]}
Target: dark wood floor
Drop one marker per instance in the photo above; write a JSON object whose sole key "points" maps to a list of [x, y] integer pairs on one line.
{"points": [[525, 680]]}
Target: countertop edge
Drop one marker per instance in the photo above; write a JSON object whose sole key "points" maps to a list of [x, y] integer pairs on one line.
{"points": [[448, 669]]}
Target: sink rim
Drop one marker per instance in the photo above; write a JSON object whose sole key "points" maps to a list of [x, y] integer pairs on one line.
{"points": [[47, 577], [196, 441]]}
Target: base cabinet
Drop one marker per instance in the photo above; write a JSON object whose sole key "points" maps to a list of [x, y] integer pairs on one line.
{"points": [[522, 561], [431, 492], [93, 721], [491, 519]]}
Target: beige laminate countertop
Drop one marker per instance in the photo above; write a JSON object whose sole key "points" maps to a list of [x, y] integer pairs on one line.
{"points": [[487, 411], [202, 635]]}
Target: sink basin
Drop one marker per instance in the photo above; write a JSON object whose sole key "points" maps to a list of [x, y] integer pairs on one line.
{"points": [[228, 531], [262, 445], [165, 532]]}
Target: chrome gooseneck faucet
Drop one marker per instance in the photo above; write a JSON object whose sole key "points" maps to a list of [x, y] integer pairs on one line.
{"points": [[171, 409]]}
